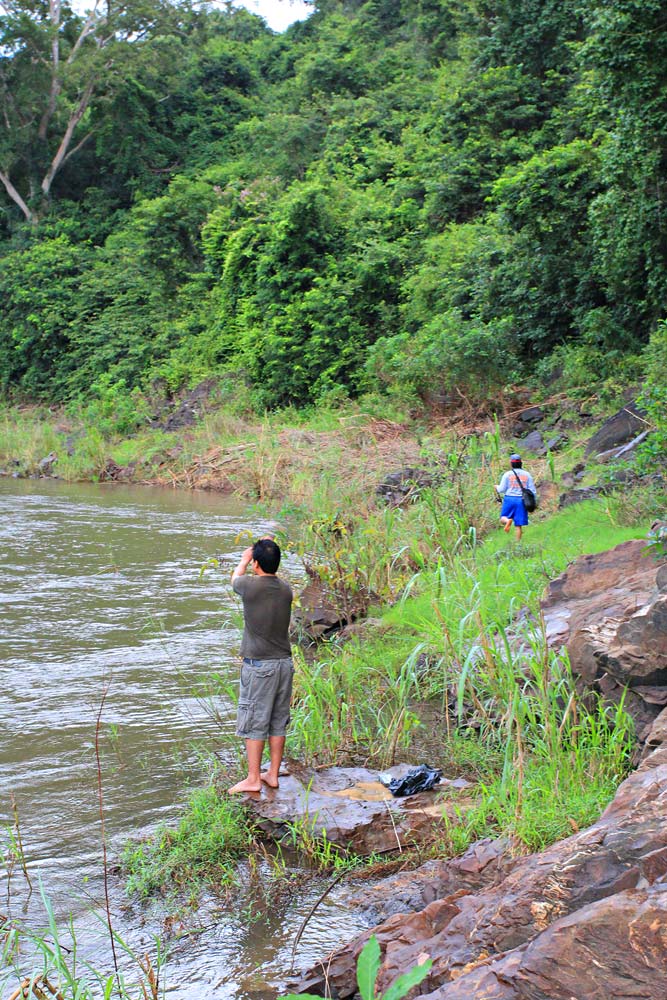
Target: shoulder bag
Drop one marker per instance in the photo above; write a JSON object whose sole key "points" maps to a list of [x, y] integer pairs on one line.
{"points": [[528, 497]]}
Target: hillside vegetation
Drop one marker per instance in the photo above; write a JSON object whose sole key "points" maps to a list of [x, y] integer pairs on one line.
{"points": [[413, 197]]}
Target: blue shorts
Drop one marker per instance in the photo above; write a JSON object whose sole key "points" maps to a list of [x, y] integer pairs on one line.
{"points": [[513, 507]]}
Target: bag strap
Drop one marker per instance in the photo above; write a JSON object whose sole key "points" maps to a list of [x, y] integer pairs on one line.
{"points": [[518, 479]]}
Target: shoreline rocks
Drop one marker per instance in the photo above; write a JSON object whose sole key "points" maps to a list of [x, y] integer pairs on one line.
{"points": [[531, 934], [352, 809]]}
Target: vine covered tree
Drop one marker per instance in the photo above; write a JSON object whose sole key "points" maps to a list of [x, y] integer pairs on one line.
{"points": [[54, 63]]}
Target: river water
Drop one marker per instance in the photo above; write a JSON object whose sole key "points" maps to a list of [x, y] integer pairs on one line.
{"points": [[101, 589]]}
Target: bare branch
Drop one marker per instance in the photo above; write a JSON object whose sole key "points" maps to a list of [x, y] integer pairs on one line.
{"points": [[15, 196], [74, 120], [78, 146], [49, 111], [92, 20]]}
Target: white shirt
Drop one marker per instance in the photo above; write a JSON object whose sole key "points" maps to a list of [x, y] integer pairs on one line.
{"points": [[509, 485]]}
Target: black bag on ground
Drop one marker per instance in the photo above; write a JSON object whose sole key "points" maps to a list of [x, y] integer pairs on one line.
{"points": [[528, 497], [417, 779]]}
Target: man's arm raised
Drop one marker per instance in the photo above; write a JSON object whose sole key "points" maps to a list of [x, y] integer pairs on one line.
{"points": [[246, 559]]}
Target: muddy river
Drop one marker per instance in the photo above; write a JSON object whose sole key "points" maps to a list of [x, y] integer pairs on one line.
{"points": [[101, 589]]}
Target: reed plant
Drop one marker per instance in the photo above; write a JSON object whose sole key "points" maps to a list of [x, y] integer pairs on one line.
{"points": [[47, 962]]}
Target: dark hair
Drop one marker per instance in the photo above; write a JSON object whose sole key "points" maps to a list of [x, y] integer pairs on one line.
{"points": [[267, 554], [516, 463]]}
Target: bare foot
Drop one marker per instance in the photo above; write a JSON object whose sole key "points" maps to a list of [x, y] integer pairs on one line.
{"points": [[271, 782], [244, 786], [508, 526]]}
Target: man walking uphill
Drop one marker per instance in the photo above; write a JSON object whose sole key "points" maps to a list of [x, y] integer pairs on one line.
{"points": [[267, 670]]}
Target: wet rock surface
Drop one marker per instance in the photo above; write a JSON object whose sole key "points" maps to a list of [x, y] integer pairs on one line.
{"points": [[357, 812], [485, 862], [532, 934]]}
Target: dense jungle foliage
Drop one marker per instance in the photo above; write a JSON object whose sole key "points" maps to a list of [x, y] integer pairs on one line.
{"points": [[402, 196]]}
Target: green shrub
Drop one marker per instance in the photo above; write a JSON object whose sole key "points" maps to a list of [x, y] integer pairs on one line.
{"points": [[212, 834]]}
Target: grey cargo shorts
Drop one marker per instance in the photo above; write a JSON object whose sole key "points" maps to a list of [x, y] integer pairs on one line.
{"points": [[265, 693]]}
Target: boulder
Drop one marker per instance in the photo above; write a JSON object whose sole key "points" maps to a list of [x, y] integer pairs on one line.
{"points": [[609, 611], [578, 495], [353, 809], [45, 465], [531, 415], [625, 451], [405, 485], [556, 442], [617, 430], [318, 613], [534, 443], [547, 918]]}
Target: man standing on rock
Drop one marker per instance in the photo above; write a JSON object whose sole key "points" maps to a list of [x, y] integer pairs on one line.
{"points": [[511, 487], [267, 670]]}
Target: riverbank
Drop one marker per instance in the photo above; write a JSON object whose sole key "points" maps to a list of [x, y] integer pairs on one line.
{"points": [[431, 597]]}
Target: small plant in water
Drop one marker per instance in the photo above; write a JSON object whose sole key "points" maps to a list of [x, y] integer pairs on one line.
{"points": [[368, 966]]}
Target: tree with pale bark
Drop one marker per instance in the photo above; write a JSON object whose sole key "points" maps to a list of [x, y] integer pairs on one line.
{"points": [[54, 64]]}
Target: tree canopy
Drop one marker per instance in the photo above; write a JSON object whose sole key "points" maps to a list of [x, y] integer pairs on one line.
{"points": [[394, 195]]}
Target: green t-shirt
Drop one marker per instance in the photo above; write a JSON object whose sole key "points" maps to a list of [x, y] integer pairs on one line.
{"points": [[267, 605]]}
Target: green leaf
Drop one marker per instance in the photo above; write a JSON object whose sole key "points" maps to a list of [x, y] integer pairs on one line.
{"points": [[300, 996], [368, 966], [404, 984]]}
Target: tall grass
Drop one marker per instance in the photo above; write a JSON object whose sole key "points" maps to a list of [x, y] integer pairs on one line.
{"points": [[204, 847], [466, 636]]}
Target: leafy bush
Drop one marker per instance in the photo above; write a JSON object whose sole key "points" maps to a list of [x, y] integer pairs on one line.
{"points": [[654, 398]]}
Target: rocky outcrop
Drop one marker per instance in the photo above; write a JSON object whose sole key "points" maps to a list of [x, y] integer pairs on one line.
{"points": [[485, 862], [587, 918], [620, 428], [318, 613], [184, 411], [353, 809], [406, 485], [609, 611], [614, 949]]}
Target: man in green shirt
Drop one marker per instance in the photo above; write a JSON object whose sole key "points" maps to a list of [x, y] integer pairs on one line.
{"points": [[267, 670]]}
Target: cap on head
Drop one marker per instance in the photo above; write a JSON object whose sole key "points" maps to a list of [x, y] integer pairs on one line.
{"points": [[515, 459]]}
